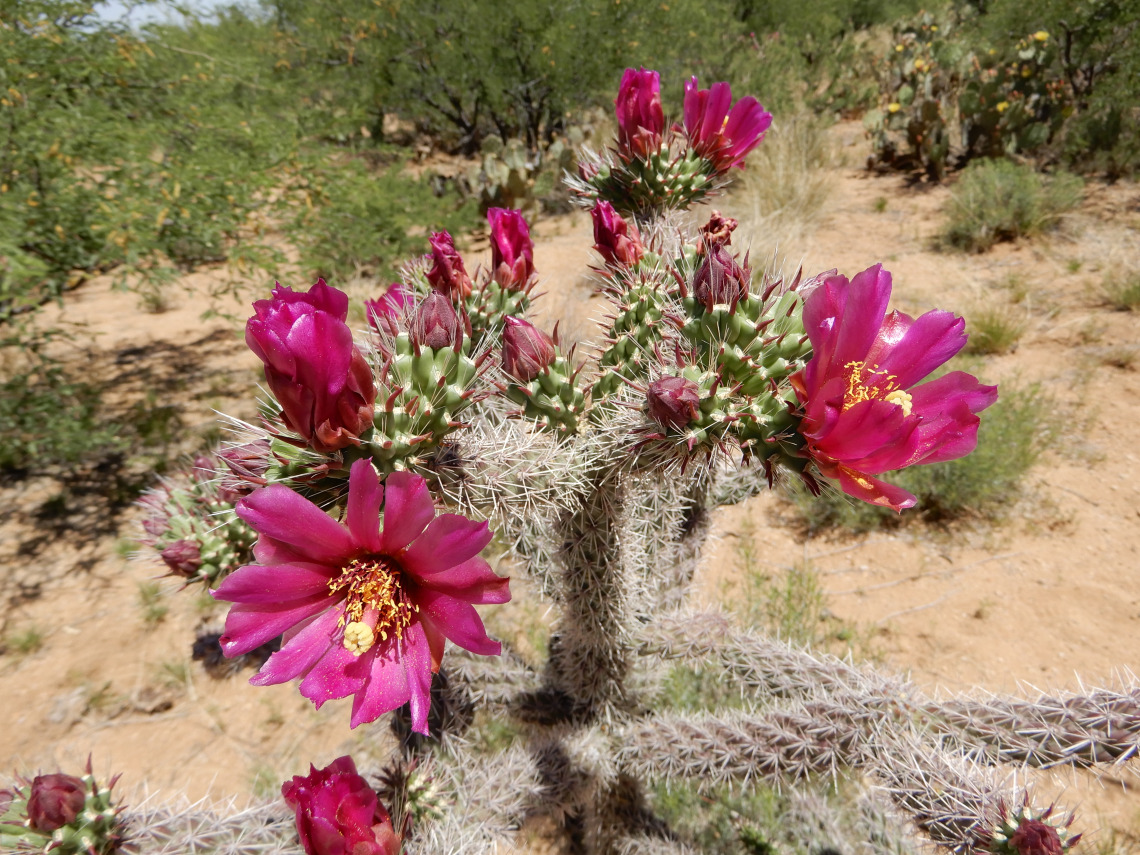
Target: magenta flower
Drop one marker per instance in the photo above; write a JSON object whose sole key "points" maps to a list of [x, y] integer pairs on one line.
{"points": [[616, 241], [721, 135], [338, 813], [385, 313], [364, 609], [512, 250], [863, 413], [321, 380], [447, 271], [641, 121]]}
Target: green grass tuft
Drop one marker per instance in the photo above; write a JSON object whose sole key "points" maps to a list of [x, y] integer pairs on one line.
{"points": [[994, 330], [1122, 292]]}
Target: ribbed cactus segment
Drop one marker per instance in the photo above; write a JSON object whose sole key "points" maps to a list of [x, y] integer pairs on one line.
{"points": [[489, 305], [224, 542], [419, 404], [636, 328], [96, 830], [553, 399], [672, 178]]}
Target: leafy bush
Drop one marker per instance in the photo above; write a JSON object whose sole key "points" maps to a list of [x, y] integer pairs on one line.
{"points": [[1014, 433], [996, 200]]}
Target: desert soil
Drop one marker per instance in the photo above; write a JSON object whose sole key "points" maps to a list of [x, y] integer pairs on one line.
{"points": [[1049, 599]]}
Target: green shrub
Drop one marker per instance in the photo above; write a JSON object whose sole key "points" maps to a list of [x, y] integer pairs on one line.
{"points": [[1013, 434], [995, 330], [997, 200], [1122, 291]]}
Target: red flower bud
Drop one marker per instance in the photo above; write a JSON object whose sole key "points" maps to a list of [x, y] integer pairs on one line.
{"points": [[1034, 837], [720, 279], [436, 323], [641, 121], [527, 350], [338, 813], [616, 240], [674, 402], [55, 801], [447, 271], [512, 250], [183, 557]]}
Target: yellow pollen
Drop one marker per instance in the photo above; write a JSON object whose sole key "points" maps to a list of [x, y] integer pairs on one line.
{"points": [[375, 603], [873, 384], [901, 398], [358, 637]]}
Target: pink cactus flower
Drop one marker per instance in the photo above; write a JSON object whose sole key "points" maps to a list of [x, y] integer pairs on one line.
{"points": [[447, 271], [863, 412], [317, 374], [641, 121], [721, 135], [385, 313], [364, 609], [338, 813], [512, 250], [616, 241]]}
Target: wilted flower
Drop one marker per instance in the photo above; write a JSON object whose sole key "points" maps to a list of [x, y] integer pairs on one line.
{"points": [[183, 557], [674, 402], [338, 813], [1034, 837], [436, 323], [863, 413], [616, 240], [55, 801], [447, 271], [640, 118], [512, 250], [364, 610], [721, 135], [384, 314], [720, 278], [527, 350], [317, 374], [718, 230]]}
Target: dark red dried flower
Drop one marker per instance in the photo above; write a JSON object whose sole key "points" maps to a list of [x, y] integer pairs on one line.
{"points": [[674, 402]]}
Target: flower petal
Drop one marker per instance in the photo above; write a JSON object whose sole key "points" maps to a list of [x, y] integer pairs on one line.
{"points": [[385, 688], [874, 491], [863, 314], [299, 653], [457, 620], [448, 540], [250, 625], [473, 581], [924, 344], [330, 678], [290, 519], [274, 583], [365, 495], [408, 509], [416, 656], [939, 394]]}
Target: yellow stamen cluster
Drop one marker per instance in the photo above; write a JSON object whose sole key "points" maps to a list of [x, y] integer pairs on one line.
{"points": [[861, 387], [372, 583]]}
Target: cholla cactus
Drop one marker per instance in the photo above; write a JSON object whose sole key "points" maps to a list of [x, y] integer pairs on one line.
{"points": [[61, 813], [711, 379]]}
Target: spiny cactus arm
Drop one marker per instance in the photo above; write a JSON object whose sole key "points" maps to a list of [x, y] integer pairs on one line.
{"points": [[266, 828], [489, 681], [1102, 727], [764, 666], [780, 746]]}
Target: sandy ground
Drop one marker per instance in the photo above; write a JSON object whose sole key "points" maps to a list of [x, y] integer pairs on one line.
{"points": [[1050, 599]]}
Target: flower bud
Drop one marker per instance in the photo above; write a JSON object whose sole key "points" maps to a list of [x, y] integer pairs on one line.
{"points": [[720, 279], [447, 271], [436, 323], [674, 402], [385, 313], [337, 813], [183, 557], [527, 350], [55, 801], [512, 250], [641, 121], [616, 240], [1034, 837]]}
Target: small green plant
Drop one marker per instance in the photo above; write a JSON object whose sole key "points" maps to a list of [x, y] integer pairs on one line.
{"points": [[995, 330], [880, 204], [1122, 292], [1121, 357], [1074, 265], [25, 641], [154, 610], [997, 200], [1016, 287], [174, 674]]}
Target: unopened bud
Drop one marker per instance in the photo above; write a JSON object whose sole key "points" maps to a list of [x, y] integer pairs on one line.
{"points": [[720, 279], [1034, 837], [512, 250], [183, 557], [616, 240], [436, 323], [674, 401], [527, 350], [447, 271], [55, 801]]}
